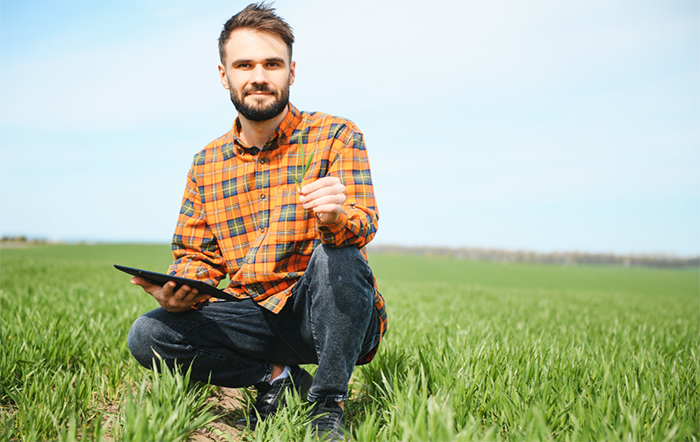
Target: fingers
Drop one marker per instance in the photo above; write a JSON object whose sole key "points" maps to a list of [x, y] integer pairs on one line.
{"points": [[325, 197], [328, 184], [179, 300], [169, 298], [323, 203], [147, 286], [327, 191]]}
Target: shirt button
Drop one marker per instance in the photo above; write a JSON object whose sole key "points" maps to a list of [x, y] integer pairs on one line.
{"points": [[263, 196], [262, 230], [262, 160]]}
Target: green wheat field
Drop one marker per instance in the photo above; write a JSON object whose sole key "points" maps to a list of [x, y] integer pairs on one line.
{"points": [[475, 351]]}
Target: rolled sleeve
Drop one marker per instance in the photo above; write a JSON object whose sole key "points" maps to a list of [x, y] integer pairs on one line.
{"points": [[358, 222]]}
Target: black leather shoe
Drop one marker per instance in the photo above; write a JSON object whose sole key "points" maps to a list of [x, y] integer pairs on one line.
{"points": [[328, 421], [271, 396]]}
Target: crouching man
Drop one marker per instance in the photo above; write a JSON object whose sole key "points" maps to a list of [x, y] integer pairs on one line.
{"points": [[291, 240]]}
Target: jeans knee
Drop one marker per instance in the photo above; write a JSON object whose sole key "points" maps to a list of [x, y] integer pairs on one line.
{"points": [[347, 252], [346, 272], [140, 341], [340, 260]]}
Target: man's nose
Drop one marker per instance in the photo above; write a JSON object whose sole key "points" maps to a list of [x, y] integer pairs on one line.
{"points": [[259, 74]]}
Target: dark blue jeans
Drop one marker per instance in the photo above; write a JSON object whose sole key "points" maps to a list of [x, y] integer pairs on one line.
{"points": [[329, 320]]}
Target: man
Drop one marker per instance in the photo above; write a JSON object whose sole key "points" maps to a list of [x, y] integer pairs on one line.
{"points": [[294, 253]]}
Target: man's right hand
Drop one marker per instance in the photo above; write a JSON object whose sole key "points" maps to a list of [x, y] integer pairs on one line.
{"points": [[173, 301]]}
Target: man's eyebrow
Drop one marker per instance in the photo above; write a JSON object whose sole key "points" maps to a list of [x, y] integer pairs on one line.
{"points": [[248, 60]]}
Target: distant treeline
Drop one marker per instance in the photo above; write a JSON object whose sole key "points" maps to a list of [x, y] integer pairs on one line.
{"points": [[21, 238], [498, 255], [563, 258]]}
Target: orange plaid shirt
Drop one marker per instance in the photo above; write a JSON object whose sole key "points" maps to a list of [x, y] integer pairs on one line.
{"points": [[241, 216]]}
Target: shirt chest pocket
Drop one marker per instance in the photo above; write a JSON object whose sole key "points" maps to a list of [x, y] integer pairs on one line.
{"points": [[289, 221]]}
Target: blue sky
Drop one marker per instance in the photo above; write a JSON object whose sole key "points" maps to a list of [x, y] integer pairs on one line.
{"points": [[532, 125]]}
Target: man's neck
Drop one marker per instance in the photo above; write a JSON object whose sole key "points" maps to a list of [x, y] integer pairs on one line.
{"points": [[257, 133]]}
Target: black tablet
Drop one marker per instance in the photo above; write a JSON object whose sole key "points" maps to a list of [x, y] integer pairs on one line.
{"points": [[161, 278]]}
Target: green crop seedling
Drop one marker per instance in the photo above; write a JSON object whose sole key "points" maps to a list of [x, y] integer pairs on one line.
{"points": [[306, 166]]}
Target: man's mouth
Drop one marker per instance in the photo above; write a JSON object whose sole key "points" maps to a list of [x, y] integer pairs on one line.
{"points": [[259, 92]]}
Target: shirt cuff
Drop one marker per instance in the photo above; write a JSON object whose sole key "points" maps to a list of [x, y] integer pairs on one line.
{"points": [[330, 232]]}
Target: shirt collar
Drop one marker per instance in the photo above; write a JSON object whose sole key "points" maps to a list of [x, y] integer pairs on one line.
{"points": [[282, 133]]}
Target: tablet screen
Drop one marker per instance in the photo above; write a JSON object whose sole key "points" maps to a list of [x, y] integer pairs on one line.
{"points": [[161, 278]]}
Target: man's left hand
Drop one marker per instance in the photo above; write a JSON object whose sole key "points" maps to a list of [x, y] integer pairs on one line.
{"points": [[325, 197]]}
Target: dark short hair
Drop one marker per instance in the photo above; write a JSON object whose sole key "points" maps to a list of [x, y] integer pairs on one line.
{"points": [[260, 17]]}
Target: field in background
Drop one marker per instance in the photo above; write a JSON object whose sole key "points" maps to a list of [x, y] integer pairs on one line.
{"points": [[531, 257], [475, 351]]}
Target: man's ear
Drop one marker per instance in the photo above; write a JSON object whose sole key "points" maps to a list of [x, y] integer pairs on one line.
{"points": [[292, 72], [224, 79]]}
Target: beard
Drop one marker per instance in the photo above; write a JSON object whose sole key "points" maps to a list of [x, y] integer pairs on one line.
{"points": [[258, 111]]}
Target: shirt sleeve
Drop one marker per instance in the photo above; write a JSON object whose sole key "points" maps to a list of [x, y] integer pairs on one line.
{"points": [[195, 248], [358, 224]]}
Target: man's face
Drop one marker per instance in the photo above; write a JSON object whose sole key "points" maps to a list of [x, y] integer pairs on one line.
{"points": [[258, 73]]}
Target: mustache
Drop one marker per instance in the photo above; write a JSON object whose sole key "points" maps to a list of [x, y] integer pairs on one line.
{"points": [[258, 88]]}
